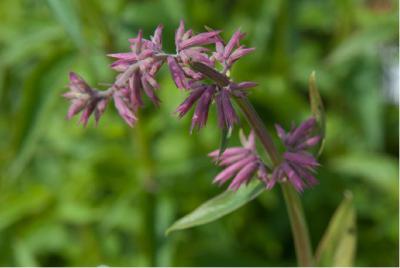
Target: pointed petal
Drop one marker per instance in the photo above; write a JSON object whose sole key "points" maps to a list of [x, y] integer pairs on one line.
{"points": [[304, 159], [200, 115], [238, 53], [150, 92], [199, 40], [228, 172], [189, 101], [179, 34], [230, 114], [234, 41], [157, 37], [124, 111]]}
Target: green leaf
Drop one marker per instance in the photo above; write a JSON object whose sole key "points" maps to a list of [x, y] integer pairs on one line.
{"points": [[338, 245], [218, 206], [317, 109], [68, 17]]}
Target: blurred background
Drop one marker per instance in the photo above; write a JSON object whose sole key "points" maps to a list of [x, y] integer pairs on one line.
{"points": [[104, 196]]}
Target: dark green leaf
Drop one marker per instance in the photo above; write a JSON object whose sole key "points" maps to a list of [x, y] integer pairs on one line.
{"points": [[225, 135]]}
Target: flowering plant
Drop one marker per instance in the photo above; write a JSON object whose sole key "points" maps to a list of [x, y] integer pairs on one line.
{"points": [[201, 67]]}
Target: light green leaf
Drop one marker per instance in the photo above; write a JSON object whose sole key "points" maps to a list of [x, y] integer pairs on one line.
{"points": [[218, 206], [317, 109], [68, 17], [338, 245]]}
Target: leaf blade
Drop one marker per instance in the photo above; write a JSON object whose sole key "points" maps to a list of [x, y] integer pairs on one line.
{"points": [[317, 109], [338, 245], [218, 207]]}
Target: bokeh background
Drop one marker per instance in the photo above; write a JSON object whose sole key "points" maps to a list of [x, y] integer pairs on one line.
{"points": [[104, 196]]}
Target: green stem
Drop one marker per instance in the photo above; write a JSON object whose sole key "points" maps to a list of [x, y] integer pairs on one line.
{"points": [[293, 203], [298, 224]]}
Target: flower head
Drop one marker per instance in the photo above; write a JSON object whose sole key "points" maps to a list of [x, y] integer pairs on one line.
{"points": [[232, 51], [204, 94], [298, 165], [145, 53], [189, 47], [240, 163], [84, 98]]}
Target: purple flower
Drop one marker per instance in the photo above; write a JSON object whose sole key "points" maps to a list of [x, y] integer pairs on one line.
{"points": [[228, 54], [146, 54], [124, 107], [189, 47], [298, 165], [84, 98], [240, 163], [205, 94]]}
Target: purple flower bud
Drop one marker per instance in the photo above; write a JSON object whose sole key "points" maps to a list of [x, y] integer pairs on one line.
{"points": [[230, 116], [84, 99], [124, 56], [179, 33], [297, 165], [177, 73], [227, 55], [123, 108], [200, 115], [199, 40], [234, 41], [238, 53], [100, 108], [76, 107], [135, 88], [242, 85], [232, 169], [156, 39], [244, 175], [195, 94], [149, 90]]}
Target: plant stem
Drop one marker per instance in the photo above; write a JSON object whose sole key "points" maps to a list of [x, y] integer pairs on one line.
{"points": [[293, 203], [257, 124], [298, 224]]}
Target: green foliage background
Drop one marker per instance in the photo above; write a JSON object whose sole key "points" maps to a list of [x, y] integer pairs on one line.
{"points": [[91, 196]]}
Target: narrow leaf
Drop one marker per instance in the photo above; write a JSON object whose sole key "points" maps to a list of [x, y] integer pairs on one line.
{"points": [[317, 109], [225, 135], [337, 247], [219, 206]]}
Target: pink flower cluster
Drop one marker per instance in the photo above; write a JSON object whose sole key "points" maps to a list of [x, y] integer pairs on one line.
{"points": [[193, 63], [297, 164], [137, 77]]}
